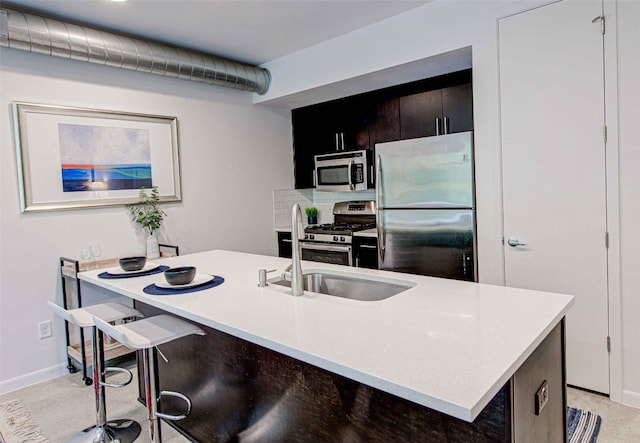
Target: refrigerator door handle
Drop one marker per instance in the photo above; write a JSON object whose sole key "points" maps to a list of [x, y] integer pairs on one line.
{"points": [[445, 125], [437, 125], [382, 239], [379, 225]]}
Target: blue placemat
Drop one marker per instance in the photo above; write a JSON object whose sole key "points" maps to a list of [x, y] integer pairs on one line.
{"points": [[152, 289], [157, 270]]}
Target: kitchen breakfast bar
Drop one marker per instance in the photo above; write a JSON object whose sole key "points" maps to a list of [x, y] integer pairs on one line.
{"points": [[442, 360]]}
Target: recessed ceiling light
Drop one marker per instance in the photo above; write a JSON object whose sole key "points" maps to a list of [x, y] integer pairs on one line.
{"points": [[118, 1]]}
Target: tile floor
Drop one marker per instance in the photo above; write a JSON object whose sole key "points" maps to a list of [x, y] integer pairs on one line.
{"points": [[64, 406]]}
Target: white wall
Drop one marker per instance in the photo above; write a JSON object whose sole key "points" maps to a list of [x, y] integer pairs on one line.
{"points": [[444, 26], [232, 154]]}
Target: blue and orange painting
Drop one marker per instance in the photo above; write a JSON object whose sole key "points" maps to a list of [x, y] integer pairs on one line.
{"points": [[104, 158]]}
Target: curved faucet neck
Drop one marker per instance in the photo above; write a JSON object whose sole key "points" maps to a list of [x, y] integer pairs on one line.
{"points": [[297, 286]]}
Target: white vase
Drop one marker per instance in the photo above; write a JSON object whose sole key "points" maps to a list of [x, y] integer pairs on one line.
{"points": [[153, 250]]}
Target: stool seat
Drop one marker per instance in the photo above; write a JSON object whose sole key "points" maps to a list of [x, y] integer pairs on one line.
{"points": [[149, 332], [83, 317]]}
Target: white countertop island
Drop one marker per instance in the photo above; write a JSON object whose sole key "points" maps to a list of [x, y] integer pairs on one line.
{"points": [[444, 344]]}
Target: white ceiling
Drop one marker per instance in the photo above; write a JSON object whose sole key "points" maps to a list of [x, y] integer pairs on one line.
{"points": [[253, 31]]}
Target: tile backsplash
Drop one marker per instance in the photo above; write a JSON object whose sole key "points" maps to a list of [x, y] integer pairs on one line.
{"points": [[284, 199]]}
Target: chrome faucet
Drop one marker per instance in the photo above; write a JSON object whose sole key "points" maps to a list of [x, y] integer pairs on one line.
{"points": [[295, 276]]}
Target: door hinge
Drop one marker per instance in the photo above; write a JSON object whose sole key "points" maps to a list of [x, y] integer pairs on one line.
{"points": [[606, 240], [605, 133], [608, 344], [601, 18]]}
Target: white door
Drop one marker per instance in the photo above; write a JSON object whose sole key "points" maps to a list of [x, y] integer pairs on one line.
{"points": [[553, 150]]}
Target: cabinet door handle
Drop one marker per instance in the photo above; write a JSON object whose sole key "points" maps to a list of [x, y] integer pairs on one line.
{"points": [[445, 125], [367, 247], [342, 140], [287, 240], [337, 142], [437, 125]]}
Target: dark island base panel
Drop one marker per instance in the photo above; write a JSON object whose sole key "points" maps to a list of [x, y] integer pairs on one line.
{"points": [[242, 392]]}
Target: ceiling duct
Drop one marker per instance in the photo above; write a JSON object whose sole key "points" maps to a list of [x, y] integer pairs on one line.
{"points": [[29, 32]]}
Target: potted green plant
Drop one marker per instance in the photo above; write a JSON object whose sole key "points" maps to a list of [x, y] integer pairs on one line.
{"points": [[312, 215], [147, 213]]}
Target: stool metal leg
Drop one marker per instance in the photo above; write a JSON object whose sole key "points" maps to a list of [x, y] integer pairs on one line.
{"points": [[114, 431], [151, 395]]}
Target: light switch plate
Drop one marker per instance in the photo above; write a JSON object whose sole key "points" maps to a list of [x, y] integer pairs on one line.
{"points": [[44, 329], [542, 397]]}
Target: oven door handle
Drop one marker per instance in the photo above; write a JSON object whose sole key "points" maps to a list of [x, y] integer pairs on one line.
{"points": [[323, 247]]}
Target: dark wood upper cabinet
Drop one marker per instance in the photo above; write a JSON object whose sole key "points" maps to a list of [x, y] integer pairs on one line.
{"points": [[385, 125], [419, 114], [305, 124], [349, 127], [437, 112], [457, 108], [397, 113]]}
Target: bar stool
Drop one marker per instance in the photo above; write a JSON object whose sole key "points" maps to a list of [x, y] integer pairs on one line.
{"points": [[121, 430], [146, 335]]}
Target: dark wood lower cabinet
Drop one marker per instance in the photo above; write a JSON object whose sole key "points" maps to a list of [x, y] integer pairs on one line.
{"points": [[365, 252], [242, 392], [284, 244]]}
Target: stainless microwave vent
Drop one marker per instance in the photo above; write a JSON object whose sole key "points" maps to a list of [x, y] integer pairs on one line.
{"points": [[34, 33]]}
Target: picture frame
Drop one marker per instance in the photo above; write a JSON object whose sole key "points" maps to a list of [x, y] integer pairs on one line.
{"points": [[77, 158]]}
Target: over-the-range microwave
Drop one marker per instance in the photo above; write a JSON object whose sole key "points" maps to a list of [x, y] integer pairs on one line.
{"points": [[341, 171]]}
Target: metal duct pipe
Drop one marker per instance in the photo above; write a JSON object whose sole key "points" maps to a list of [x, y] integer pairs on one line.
{"points": [[21, 30]]}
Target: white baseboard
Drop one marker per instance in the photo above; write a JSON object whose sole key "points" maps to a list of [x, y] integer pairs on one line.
{"points": [[33, 378], [630, 398]]}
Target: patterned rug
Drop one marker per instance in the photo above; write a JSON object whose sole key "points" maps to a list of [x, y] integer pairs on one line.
{"points": [[582, 426], [17, 425]]}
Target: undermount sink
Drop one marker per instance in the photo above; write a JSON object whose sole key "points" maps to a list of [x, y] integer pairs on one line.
{"points": [[350, 286]]}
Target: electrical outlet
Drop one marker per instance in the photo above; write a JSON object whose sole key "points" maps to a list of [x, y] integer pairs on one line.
{"points": [[44, 329], [542, 397]]}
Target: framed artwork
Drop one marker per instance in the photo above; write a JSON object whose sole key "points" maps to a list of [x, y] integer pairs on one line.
{"points": [[71, 158]]}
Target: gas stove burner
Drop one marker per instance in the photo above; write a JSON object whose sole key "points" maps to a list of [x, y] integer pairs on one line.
{"points": [[338, 228]]}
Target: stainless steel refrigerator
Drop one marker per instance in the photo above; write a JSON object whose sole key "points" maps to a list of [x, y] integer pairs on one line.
{"points": [[425, 202]]}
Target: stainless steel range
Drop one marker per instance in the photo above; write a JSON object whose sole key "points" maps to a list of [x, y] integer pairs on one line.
{"points": [[333, 242]]}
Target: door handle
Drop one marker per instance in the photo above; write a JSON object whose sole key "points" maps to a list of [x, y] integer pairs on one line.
{"points": [[514, 242], [382, 240]]}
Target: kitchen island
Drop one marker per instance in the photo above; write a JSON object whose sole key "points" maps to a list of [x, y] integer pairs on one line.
{"points": [[443, 355]]}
